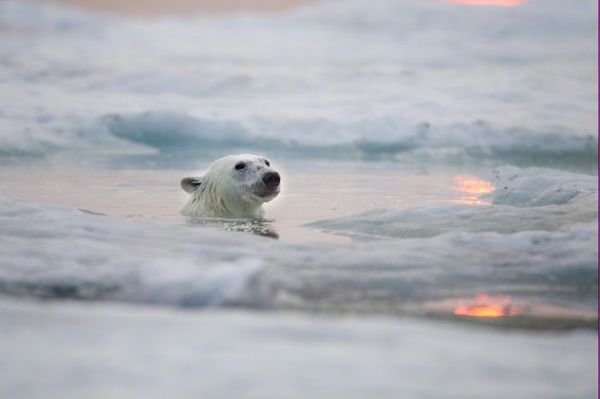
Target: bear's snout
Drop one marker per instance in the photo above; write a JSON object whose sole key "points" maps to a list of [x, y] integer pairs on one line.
{"points": [[271, 179]]}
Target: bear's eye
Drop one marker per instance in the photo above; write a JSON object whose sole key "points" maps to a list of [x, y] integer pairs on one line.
{"points": [[267, 163], [240, 165]]}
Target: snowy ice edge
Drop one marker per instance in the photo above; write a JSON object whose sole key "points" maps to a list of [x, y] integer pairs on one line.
{"points": [[523, 199], [168, 133], [372, 351]]}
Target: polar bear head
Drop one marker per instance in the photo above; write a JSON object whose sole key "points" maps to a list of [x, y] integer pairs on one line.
{"points": [[233, 186]]}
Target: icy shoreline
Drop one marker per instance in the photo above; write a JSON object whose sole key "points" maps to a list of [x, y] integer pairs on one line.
{"points": [[117, 351]]}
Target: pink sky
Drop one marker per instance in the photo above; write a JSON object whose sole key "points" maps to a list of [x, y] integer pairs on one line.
{"points": [[497, 3]]}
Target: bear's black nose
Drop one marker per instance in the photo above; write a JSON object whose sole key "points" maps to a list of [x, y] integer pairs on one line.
{"points": [[271, 179]]}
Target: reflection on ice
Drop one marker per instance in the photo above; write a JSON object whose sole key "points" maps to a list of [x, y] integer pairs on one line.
{"points": [[487, 306], [512, 312], [472, 188]]}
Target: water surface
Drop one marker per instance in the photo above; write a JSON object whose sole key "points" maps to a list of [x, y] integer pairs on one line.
{"points": [[438, 219]]}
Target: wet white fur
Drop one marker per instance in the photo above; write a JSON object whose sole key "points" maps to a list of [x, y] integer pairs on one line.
{"points": [[224, 191]]}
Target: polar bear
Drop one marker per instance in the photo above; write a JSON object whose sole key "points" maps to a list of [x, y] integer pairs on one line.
{"points": [[234, 186]]}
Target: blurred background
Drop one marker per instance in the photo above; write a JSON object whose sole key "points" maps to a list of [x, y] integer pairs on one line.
{"points": [[181, 7], [436, 233]]}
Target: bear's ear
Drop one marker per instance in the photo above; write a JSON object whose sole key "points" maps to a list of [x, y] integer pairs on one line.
{"points": [[191, 184]]}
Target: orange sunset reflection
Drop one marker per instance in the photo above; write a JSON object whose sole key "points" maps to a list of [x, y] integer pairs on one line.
{"points": [[487, 306], [471, 188], [495, 3]]}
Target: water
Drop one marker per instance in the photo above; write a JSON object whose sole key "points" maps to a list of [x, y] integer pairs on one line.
{"points": [[435, 157]]}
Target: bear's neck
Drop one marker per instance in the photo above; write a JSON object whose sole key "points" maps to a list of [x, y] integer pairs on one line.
{"points": [[244, 209]]}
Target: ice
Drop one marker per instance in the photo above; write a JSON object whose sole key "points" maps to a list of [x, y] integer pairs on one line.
{"points": [[75, 351], [62, 253], [468, 82], [523, 200]]}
